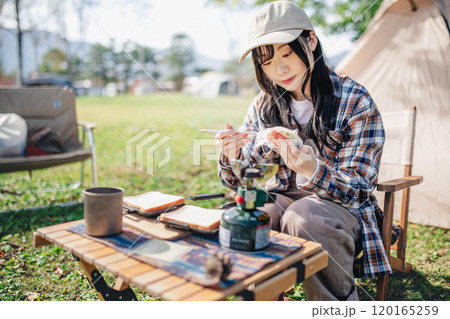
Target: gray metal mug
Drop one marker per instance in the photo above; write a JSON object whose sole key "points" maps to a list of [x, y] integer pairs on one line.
{"points": [[103, 207]]}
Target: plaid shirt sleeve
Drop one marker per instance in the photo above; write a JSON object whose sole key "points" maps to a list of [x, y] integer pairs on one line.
{"points": [[349, 175]]}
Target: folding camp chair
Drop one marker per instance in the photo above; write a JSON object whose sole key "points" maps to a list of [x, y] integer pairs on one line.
{"points": [[398, 151], [52, 107]]}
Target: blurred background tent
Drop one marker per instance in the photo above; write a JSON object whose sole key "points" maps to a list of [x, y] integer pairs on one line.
{"points": [[403, 59]]}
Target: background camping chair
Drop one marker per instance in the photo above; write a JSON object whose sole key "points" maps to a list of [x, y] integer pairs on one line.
{"points": [[397, 153], [52, 107]]}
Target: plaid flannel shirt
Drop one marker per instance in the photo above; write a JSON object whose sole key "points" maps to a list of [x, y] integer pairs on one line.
{"points": [[346, 176]]}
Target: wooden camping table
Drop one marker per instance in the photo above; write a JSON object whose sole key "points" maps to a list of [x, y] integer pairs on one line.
{"points": [[267, 284]]}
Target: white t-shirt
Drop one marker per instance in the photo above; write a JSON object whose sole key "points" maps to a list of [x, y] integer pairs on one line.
{"points": [[302, 110]]}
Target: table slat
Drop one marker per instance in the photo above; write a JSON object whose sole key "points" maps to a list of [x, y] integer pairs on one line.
{"points": [[67, 239], [158, 287], [109, 260], [134, 271], [118, 267], [206, 295], [53, 237], [54, 228], [91, 256], [82, 250], [310, 247], [39, 240], [76, 243], [146, 278], [181, 292]]}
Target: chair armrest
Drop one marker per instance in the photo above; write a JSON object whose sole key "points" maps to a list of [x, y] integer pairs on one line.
{"points": [[87, 125], [89, 128], [399, 184]]}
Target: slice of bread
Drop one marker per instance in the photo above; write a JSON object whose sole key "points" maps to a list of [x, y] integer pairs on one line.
{"points": [[195, 217], [153, 201]]}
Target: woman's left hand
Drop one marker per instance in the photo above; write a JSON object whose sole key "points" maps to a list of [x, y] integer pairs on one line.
{"points": [[300, 160]]}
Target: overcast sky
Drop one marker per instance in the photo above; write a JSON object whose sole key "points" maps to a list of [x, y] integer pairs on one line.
{"points": [[216, 32]]}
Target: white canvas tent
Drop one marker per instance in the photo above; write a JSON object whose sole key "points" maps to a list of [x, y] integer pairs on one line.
{"points": [[211, 84], [403, 59]]}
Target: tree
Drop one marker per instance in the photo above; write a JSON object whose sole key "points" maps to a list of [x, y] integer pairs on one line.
{"points": [[124, 66], [20, 12], [59, 11], [133, 59], [77, 68], [50, 13], [334, 16], [145, 56], [19, 41], [100, 60], [54, 61], [79, 64], [145, 62], [180, 56]]}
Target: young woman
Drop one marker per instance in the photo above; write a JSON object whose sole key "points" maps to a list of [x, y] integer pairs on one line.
{"points": [[327, 199]]}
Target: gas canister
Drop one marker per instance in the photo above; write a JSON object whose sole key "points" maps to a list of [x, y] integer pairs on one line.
{"points": [[244, 227]]}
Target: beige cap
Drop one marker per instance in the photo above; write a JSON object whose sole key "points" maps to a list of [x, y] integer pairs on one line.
{"points": [[278, 22]]}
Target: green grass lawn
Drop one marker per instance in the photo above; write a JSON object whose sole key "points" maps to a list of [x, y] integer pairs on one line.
{"points": [[49, 273]]}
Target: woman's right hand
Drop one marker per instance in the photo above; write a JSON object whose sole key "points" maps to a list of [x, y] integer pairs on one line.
{"points": [[229, 142]]}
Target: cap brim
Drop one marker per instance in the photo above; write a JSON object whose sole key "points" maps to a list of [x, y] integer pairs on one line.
{"points": [[285, 36]]}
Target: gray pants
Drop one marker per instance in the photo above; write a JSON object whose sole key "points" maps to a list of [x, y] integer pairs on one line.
{"points": [[301, 214]]}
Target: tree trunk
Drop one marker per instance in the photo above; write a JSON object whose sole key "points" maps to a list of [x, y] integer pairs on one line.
{"points": [[19, 42]]}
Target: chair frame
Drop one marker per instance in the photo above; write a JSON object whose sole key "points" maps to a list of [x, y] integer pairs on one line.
{"points": [[88, 128], [389, 188]]}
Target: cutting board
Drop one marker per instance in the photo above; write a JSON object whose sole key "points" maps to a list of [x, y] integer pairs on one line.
{"points": [[152, 227]]}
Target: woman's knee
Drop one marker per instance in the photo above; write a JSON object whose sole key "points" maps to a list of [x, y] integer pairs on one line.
{"points": [[298, 219], [276, 210], [319, 220]]}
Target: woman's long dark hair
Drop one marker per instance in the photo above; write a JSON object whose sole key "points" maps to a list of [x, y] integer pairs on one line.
{"points": [[276, 110]]}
